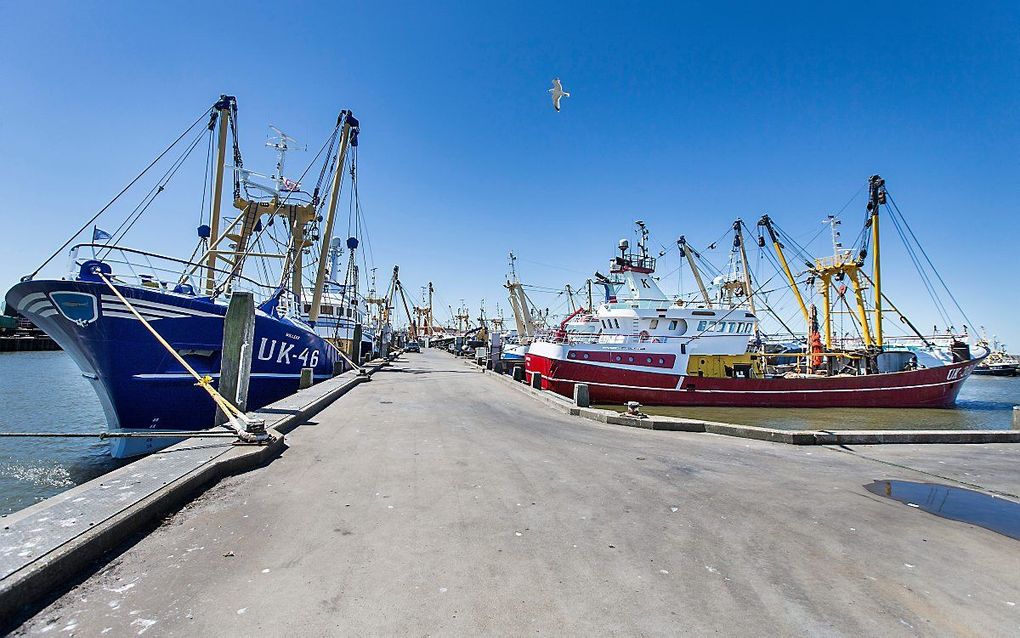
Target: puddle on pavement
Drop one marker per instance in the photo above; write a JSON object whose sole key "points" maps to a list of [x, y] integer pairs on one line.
{"points": [[997, 514]]}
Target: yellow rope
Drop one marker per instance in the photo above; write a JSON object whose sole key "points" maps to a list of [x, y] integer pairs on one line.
{"points": [[203, 381], [342, 353]]}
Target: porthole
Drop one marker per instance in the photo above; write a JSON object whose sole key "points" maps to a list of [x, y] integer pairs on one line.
{"points": [[572, 356], [662, 361], [649, 360], [619, 358], [630, 359], [585, 355]]}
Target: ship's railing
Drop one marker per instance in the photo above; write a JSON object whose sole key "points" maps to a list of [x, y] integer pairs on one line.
{"points": [[567, 337], [146, 269], [634, 260]]}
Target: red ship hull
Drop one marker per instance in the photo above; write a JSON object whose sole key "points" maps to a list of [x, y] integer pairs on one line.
{"points": [[923, 388]]}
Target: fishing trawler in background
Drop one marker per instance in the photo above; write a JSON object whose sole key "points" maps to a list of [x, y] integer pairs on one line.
{"points": [[306, 316], [657, 350], [999, 362]]}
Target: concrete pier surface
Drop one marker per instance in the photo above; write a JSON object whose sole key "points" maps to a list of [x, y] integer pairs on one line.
{"points": [[437, 501]]}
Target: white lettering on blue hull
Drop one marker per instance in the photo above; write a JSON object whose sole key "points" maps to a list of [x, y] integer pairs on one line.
{"points": [[268, 348]]}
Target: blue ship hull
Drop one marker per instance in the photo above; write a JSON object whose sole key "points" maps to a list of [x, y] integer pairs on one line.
{"points": [[140, 385]]}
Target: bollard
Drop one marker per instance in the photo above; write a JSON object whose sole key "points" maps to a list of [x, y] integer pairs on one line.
{"points": [[1016, 417], [338, 367], [581, 398], [536, 380], [235, 357], [306, 378], [519, 373]]}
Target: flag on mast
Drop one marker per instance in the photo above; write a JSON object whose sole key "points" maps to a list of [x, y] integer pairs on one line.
{"points": [[98, 234]]}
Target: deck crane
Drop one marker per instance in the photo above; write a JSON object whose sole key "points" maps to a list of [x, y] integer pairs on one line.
{"points": [[690, 254], [520, 305]]}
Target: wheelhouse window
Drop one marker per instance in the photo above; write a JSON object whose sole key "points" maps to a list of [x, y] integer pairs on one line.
{"points": [[653, 324], [325, 309]]}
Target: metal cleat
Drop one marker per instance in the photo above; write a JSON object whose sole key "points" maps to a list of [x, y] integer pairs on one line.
{"points": [[633, 409]]}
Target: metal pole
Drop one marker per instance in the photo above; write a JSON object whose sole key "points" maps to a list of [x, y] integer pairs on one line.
{"points": [[688, 252], [828, 312], [767, 223], [861, 311]]}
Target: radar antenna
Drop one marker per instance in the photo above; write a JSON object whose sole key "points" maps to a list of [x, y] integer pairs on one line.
{"points": [[282, 143]]}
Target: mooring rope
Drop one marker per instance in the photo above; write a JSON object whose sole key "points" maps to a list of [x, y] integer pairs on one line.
{"points": [[233, 414]]}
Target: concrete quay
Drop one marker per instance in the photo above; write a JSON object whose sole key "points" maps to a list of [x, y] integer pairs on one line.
{"points": [[43, 545], [436, 500]]}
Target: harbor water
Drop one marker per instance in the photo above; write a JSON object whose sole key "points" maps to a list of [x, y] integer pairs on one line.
{"points": [[45, 392], [985, 403]]}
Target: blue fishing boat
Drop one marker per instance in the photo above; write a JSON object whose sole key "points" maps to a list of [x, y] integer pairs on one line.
{"points": [[102, 308]]}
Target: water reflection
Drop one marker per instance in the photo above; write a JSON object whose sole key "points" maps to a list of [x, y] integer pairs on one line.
{"points": [[997, 514]]}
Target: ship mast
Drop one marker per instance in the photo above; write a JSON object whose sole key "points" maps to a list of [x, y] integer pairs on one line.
{"points": [[350, 124], [430, 307], [738, 229], [223, 107], [396, 286], [876, 197]]}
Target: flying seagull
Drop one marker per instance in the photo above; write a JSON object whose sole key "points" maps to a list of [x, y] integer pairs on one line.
{"points": [[557, 93]]}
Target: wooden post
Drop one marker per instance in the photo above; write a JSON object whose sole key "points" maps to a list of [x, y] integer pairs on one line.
{"points": [[581, 398], [307, 378], [536, 380], [235, 357], [338, 368], [355, 353]]}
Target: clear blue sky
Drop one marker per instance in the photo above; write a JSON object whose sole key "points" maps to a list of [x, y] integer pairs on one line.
{"points": [[684, 115]]}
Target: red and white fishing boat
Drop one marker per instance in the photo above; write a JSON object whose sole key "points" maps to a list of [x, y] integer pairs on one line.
{"points": [[658, 351]]}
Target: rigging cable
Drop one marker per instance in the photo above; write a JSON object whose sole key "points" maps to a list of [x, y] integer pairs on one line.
{"points": [[925, 279], [928, 259], [206, 187], [154, 192], [116, 197]]}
